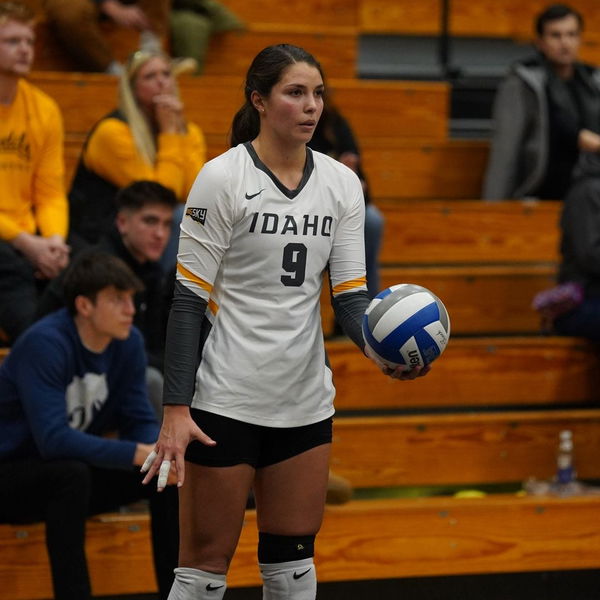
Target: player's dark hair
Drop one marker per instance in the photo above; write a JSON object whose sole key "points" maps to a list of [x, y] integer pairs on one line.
{"points": [[553, 13], [264, 72], [91, 272], [142, 193]]}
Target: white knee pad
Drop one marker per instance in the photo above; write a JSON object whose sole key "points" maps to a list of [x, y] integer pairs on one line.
{"points": [[294, 580], [194, 584]]}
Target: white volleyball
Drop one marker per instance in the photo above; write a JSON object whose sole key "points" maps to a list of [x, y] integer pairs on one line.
{"points": [[406, 325]]}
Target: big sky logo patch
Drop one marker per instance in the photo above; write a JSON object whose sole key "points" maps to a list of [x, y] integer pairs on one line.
{"points": [[197, 214]]}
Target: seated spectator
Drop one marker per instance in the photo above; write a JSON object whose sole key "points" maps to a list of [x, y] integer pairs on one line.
{"points": [[71, 382], [147, 138], [139, 236], [333, 136], [580, 249], [33, 209], [546, 111], [193, 22], [76, 25]]}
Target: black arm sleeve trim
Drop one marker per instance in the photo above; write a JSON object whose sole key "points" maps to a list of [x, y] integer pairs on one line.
{"points": [[182, 347], [349, 310]]}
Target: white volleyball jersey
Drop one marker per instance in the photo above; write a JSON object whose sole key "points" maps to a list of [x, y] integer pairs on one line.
{"points": [[257, 253]]}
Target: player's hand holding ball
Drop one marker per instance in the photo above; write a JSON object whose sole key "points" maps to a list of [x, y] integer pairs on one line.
{"points": [[406, 327]]}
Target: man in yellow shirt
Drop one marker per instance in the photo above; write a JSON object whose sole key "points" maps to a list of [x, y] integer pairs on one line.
{"points": [[33, 204]]}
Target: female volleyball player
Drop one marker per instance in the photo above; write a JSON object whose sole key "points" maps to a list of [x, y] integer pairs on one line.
{"points": [[262, 223]]}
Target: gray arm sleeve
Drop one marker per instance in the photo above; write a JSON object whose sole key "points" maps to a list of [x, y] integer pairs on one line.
{"points": [[349, 311], [182, 346]]}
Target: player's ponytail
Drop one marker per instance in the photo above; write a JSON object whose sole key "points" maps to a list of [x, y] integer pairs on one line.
{"points": [[245, 125], [264, 72]]}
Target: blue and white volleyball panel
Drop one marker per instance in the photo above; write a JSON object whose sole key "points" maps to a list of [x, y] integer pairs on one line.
{"points": [[406, 324]]}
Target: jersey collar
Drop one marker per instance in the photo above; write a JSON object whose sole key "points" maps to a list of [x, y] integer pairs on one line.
{"points": [[308, 169]]}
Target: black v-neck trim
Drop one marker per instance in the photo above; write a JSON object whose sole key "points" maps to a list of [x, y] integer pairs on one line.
{"points": [[308, 169]]}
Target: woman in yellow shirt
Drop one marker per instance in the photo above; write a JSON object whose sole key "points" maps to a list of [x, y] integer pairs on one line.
{"points": [[146, 137]]}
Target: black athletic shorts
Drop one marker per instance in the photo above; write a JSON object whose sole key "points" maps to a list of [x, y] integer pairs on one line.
{"points": [[259, 446]]}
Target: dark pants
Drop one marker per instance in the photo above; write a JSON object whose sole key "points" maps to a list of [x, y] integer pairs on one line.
{"points": [[18, 293], [584, 321], [63, 493]]}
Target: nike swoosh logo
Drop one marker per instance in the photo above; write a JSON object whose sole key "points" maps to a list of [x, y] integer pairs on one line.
{"points": [[210, 587], [298, 575], [250, 196]]}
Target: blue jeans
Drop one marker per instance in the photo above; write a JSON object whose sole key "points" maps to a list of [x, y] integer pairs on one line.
{"points": [[373, 236], [584, 321]]}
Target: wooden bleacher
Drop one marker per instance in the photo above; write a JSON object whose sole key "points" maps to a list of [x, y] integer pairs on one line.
{"points": [[470, 232], [409, 168], [438, 449], [475, 373], [503, 294], [335, 43], [361, 540], [404, 537], [399, 121], [488, 413], [331, 29], [485, 260], [486, 19]]}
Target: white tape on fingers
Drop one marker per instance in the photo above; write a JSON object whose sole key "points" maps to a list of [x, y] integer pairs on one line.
{"points": [[148, 462], [163, 474]]}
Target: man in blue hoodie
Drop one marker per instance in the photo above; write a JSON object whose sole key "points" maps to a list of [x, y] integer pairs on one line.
{"points": [[75, 422]]}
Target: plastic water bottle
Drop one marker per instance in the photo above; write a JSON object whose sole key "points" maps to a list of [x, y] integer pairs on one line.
{"points": [[564, 483], [565, 467]]}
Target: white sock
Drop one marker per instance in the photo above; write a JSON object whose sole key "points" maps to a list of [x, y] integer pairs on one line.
{"points": [[194, 584], [294, 580]]}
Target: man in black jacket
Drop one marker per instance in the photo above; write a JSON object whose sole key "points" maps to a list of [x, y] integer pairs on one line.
{"points": [[546, 111], [139, 237]]}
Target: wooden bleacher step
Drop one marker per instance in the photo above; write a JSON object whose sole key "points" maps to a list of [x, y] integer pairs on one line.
{"points": [[453, 232], [334, 45], [401, 17], [487, 18], [461, 448], [376, 108], [476, 373], [335, 48], [370, 539], [411, 168], [306, 13], [490, 300]]}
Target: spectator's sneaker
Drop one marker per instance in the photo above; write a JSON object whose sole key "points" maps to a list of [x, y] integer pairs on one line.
{"points": [[339, 490]]}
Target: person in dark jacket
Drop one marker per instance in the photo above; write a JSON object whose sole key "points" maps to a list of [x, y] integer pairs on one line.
{"points": [[71, 381], [139, 236], [546, 111], [580, 249]]}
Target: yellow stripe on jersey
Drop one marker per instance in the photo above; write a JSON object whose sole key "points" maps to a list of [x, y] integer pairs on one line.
{"points": [[347, 286], [213, 306], [194, 278]]}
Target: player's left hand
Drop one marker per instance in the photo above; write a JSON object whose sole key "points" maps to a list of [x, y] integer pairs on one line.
{"points": [[177, 431], [397, 372]]}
